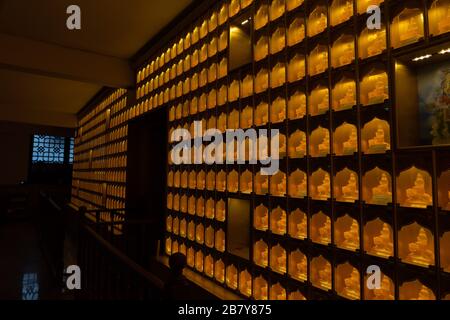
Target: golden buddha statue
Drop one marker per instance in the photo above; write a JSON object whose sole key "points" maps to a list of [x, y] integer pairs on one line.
{"points": [[232, 280], [351, 237], [352, 285], [299, 190], [425, 294], [351, 145], [325, 232], [263, 292], [419, 253], [347, 55], [280, 226], [301, 269], [376, 42], [263, 258], [378, 94], [219, 273], [382, 194], [350, 192], [378, 143], [384, 292], [278, 110], [324, 147], [296, 32], [411, 32], [323, 191], [300, 229], [349, 99], [444, 22], [325, 277], [280, 188], [383, 245], [416, 196]]}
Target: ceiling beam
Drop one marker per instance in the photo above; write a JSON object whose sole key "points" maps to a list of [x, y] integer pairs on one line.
{"points": [[26, 55]]}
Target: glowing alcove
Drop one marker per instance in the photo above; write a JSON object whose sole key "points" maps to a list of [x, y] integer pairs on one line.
{"points": [[234, 8], [414, 188], [192, 179], [298, 184], [318, 60], [278, 110], [445, 251], [415, 290], [345, 140], [407, 27], [221, 181], [298, 265], [261, 48], [246, 182], [233, 91], [223, 68], [260, 289], [278, 184], [169, 223], [276, 10], [169, 201], [296, 31], [168, 246], [374, 87], [261, 16], [190, 257], [416, 245], [183, 228], [444, 190], [278, 75], [222, 122], [386, 291], [261, 253], [261, 184], [176, 180], [320, 228], [209, 266], [347, 281], [296, 68], [298, 224], [231, 277], [378, 238], [377, 187], [372, 42], [262, 80], [346, 233], [292, 4], [341, 11], [223, 40], [220, 240], [200, 234], [211, 180], [319, 100], [277, 40], [317, 20], [320, 185], [278, 221], [364, 4], [245, 283], [376, 136], [346, 187], [277, 292], [184, 204], [246, 117], [320, 273], [220, 210], [199, 261], [176, 202], [219, 271], [200, 207], [297, 105], [201, 180], [261, 218], [297, 144], [296, 295], [210, 207], [343, 51], [319, 142], [209, 237], [344, 94], [232, 181], [182, 249], [439, 17], [278, 259], [262, 114]]}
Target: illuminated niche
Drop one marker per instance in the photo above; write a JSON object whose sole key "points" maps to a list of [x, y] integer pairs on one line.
{"points": [[319, 142], [221, 181], [296, 296], [319, 100], [320, 228], [347, 281], [444, 190], [190, 257], [278, 221], [261, 16], [277, 8], [220, 210], [277, 40], [345, 140], [346, 233], [278, 259], [245, 283], [376, 137], [246, 117], [200, 207], [407, 27], [220, 240], [386, 291], [296, 31], [277, 292], [261, 254], [374, 87], [209, 237], [210, 207], [262, 80], [183, 228], [439, 17], [364, 4], [262, 114], [298, 265], [318, 60], [292, 4], [343, 51], [344, 94], [246, 182], [219, 271], [209, 266], [297, 145], [416, 245], [278, 184], [231, 277], [296, 68], [378, 238], [261, 184], [260, 289], [233, 181], [298, 224], [278, 110], [298, 184], [415, 290], [346, 186], [320, 273], [261, 48], [341, 11], [297, 105], [377, 187], [414, 188], [317, 20], [200, 234], [320, 185], [199, 261]]}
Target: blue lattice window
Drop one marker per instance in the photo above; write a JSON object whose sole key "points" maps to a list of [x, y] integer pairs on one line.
{"points": [[71, 147], [48, 149]]}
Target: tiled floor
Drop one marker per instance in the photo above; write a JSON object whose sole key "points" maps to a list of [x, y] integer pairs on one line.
{"points": [[24, 274]]}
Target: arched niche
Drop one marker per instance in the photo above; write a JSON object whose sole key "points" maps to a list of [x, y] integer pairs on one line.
{"points": [[319, 142], [343, 50], [277, 292], [200, 207], [377, 187], [220, 210], [298, 265], [297, 105], [297, 144], [344, 94], [346, 233], [233, 181], [278, 184], [379, 238], [318, 60], [261, 184], [220, 240], [190, 258], [209, 266], [247, 117], [346, 187], [278, 221], [219, 271], [439, 17], [386, 291], [168, 246], [414, 188], [320, 228], [345, 140], [340, 11], [221, 180], [296, 296], [296, 68], [191, 231], [278, 75], [374, 87], [260, 289], [231, 277], [199, 263], [320, 273], [319, 100], [200, 233], [261, 218], [262, 114], [183, 228], [278, 259], [320, 185], [407, 27], [317, 20], [191, 205], [298, 185], [296, 31], [209, 237], [416, 245], [376, 136], [278, 110], [277, 40], [261, 253], [415, 290], [246, 182], [245, 283], [348, 281], [298, 224]]}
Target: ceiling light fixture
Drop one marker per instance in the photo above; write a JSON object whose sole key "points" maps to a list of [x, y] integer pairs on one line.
{"points": [[244, 22], [444, 51], [422, 58]]}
